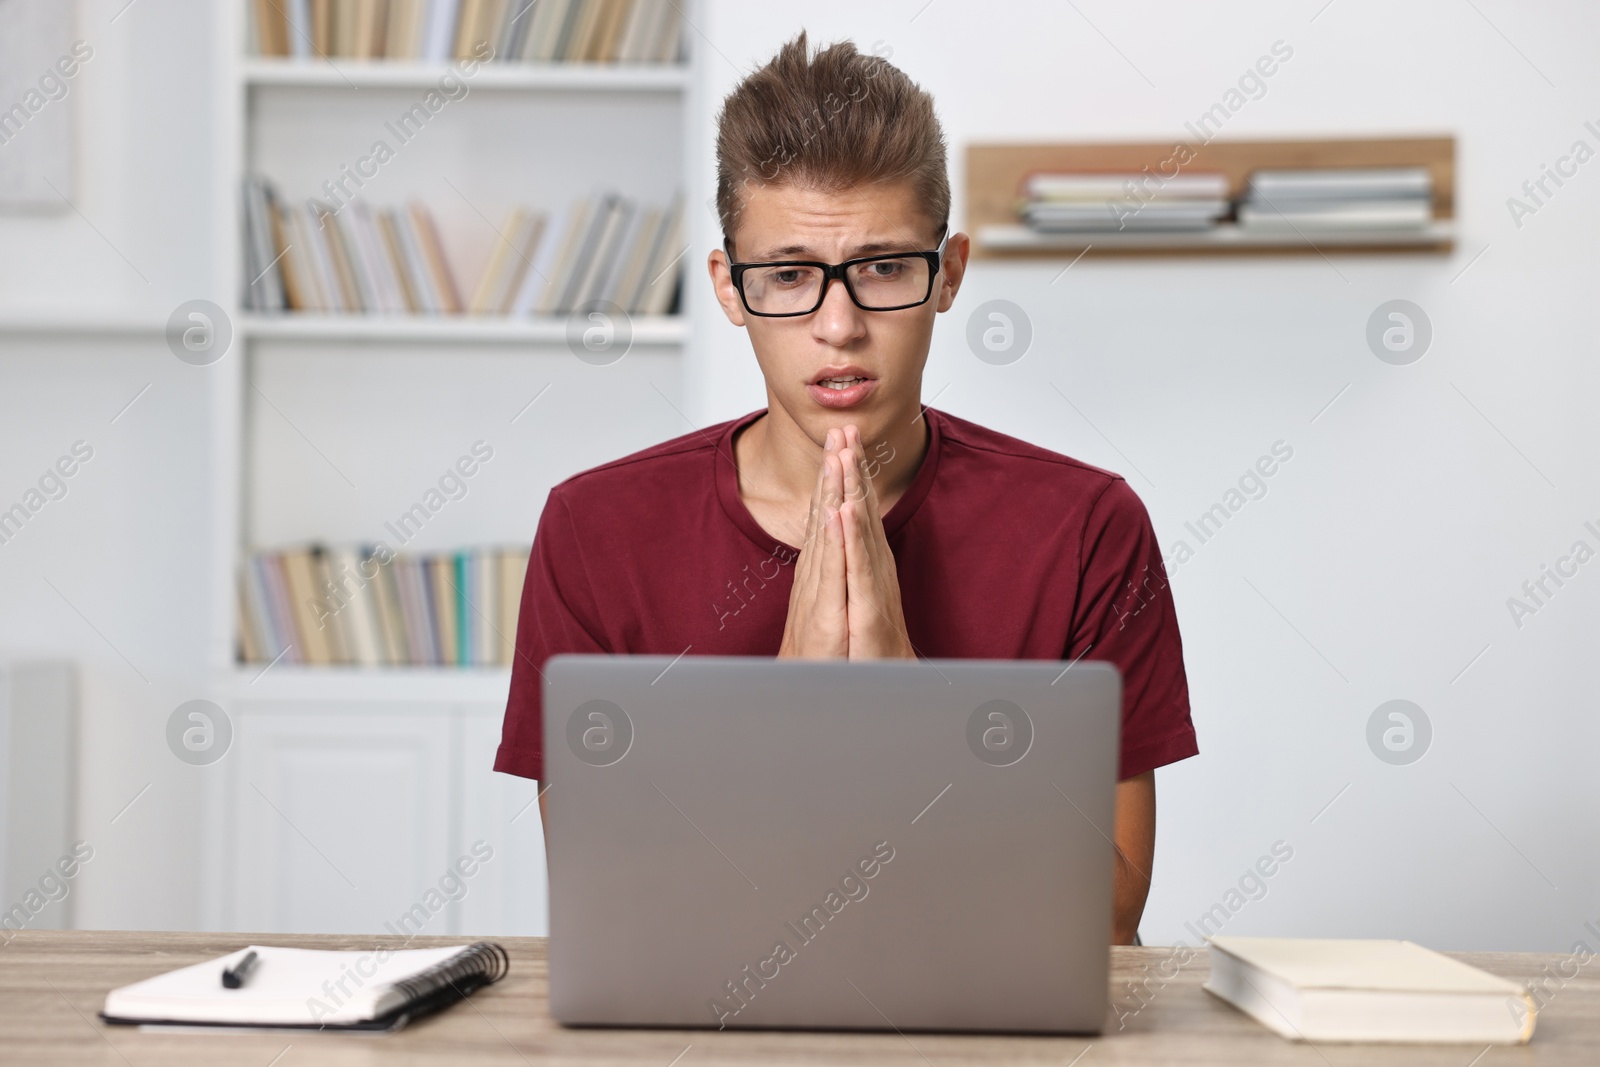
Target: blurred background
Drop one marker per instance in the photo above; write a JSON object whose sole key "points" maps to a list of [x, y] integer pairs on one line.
{"points": [[202, 377]]}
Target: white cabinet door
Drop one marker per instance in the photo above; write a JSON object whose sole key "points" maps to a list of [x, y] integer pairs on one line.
{"points": [[508, 895], [341, 815]]}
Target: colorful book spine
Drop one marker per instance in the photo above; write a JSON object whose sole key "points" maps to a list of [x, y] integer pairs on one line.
{"points": [[344, 256], [464, 627], [343, 605]]}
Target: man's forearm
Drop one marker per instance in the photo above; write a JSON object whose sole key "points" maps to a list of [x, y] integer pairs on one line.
{"points": [[1135, 837]]}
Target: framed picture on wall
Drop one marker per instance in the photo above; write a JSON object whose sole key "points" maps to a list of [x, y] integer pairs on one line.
{"points": [[39, 67]]}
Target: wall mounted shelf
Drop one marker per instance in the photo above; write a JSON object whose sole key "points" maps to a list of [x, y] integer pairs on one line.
{"points": [[995, 174]]}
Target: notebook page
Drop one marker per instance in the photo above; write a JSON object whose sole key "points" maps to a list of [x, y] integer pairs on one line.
{"points": [[287, 986]]}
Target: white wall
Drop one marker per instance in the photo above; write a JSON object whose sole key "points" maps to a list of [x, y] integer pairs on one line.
{"points": [[124, 549], [1391, 541], [1405, 519]]}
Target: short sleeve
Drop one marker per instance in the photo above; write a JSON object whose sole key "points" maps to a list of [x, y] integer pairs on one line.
{"points": [[554, 618], [1125, 615]]}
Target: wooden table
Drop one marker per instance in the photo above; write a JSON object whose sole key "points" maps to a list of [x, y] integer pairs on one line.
{"points": [[52, 984]]}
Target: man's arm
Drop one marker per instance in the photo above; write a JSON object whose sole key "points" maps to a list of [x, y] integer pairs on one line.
{"points": [[1135, 836]]}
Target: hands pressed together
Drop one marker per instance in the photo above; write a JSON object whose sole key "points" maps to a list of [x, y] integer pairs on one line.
{"points": [[845, 603]]}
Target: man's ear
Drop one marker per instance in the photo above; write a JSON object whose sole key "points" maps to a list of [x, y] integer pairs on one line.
{"points": [[722, 284], [956, 251]]}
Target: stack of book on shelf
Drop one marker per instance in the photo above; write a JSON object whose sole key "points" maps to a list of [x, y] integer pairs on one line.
{"points": [[604, 247], [1336, 200], [389, 261], [1117, 202], [313, 258], [318, 605], [594, 31]]}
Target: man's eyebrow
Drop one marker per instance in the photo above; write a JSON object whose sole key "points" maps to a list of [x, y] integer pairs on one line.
{"points": [[875, 247], [871, 248], [785, 252]]}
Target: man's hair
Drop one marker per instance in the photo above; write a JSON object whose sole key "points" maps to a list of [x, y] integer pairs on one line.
{"points": [[830, 121]]}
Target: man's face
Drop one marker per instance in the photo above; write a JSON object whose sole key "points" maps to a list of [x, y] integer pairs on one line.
{"points": [[806, 358]]}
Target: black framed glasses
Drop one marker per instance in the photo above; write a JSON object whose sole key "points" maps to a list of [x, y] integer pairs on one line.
{"points": [[892, 281]]}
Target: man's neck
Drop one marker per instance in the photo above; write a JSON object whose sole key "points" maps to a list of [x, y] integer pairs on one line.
{"points": [[778, 461]]}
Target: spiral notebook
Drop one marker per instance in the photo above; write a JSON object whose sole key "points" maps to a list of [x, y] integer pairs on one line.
{"points": [[374, 989]]}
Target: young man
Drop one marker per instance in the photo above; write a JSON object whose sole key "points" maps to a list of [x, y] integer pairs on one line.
{"points": [[844, 520]]}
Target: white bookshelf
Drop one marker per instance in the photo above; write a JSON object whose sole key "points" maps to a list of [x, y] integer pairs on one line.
{"points": [[67, 324], [670, 330], [386, 686], [550, 77], [400, 755], [347, 99], [456, 329]]}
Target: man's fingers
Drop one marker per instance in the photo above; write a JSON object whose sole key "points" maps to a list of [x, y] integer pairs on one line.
{"points": [[817, 624], [832, 588], [828, 495], [858, 523], [833, 480], [857, 553], [852, 452], [865, 490], [815, 511], [824, 497], [833, 553], [852, 440], [834, 468], [870, 494], [869, 541], [849, 462]]}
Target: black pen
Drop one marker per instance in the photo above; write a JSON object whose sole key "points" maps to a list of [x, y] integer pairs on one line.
{"points": [[233, 977]]}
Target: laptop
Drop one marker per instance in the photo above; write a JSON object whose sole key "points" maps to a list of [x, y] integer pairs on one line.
{"points": [[894, 844]]}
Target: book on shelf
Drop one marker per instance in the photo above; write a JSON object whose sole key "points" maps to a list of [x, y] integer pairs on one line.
{"points": [[1332, 199], [1098, 186], [363, 606], [1336, 215], [356, 258], [1340, 183], [509, 262], [436, 31], [1274, 202], [1101, 202], [1155, 215]]}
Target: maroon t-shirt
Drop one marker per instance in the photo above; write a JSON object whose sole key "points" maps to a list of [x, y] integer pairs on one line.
{"points": [[1004, 551]]}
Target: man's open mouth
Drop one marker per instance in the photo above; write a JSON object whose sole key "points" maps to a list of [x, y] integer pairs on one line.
{"points": [[840, 387]]}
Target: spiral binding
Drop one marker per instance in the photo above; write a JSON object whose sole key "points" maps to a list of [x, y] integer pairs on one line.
{"points": [[479, 964]]}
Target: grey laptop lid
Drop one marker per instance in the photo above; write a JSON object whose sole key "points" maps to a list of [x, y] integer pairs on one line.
{"points": [[742, 842]]}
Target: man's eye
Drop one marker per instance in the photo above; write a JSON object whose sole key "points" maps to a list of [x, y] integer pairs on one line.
{"points": [[887, 269], [787, 277]]}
